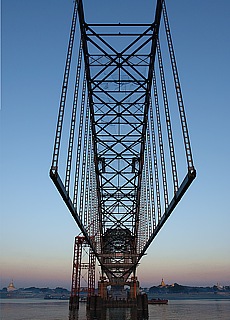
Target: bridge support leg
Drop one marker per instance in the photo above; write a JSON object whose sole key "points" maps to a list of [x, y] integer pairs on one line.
{"points": [[142, 302], [78, 265], [102, 288], [134, 288], [91, 274], [76, 275], [73, 303]]}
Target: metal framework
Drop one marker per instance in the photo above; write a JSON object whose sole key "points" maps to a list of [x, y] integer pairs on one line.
{"points": [[79, 265], [123, 132]]}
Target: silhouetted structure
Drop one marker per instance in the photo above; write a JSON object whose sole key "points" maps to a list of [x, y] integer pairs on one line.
{"points": [[121, 132]]}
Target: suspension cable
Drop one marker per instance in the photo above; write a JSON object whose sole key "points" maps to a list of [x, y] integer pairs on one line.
{"points": [[161, 145], [167, 117], [79, 145], [54, 166], [178, 92], [84, 162], [73, 120]]}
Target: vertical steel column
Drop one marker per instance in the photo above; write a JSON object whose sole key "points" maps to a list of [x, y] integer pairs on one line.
{"points": [[78, 266], [76, 275], [91, 273]]}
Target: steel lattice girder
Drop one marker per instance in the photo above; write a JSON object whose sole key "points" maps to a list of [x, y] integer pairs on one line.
{"points": [[120, 140], [119, 95]]}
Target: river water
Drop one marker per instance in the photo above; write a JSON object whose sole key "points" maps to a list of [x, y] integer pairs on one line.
{"points": [[36, 309]]}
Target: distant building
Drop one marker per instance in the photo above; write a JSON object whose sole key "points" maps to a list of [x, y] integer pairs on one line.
{"points": [[11, 287], [162, 283], [219, 287]]}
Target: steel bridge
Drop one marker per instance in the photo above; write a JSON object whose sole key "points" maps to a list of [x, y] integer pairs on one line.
{"points": [[122, 157]]}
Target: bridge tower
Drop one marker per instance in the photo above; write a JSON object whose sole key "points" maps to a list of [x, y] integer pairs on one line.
{"points": [[122, 157]]}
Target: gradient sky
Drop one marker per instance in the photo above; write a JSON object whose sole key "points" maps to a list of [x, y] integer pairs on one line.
{"points": [[37, 231]]}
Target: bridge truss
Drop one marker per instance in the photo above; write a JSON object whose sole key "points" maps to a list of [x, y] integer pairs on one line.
{"points": [[122, 158]]}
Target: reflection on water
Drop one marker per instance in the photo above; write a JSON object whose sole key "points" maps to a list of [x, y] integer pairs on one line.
{"points": [[39, 309], [111, 314]]}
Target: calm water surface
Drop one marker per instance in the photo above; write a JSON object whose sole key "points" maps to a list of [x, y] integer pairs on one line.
{"points": [[35, 309]]}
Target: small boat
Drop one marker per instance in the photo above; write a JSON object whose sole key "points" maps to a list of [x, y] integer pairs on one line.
{"points": [[158, 301], [83, 299]]}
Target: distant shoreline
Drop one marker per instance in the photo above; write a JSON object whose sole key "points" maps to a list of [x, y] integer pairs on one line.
{"points": [[169, 292], [198, 296], [168, 296]]}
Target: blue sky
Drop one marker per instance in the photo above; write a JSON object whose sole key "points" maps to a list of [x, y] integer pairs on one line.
{"points": [[37, 231]]}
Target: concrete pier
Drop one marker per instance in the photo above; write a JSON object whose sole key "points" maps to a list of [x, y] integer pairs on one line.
{"points": [[73, 303], [114, 294], [97, 303]]}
